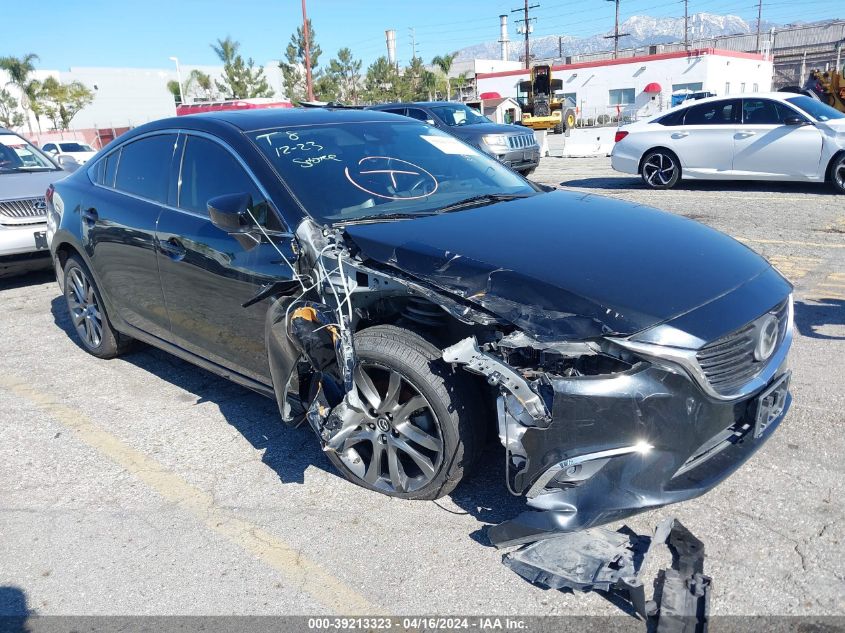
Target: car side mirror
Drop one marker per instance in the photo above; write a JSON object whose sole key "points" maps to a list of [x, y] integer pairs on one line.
{"points": [[795, 120], [430, 121], [68, 163], [230, 213]]}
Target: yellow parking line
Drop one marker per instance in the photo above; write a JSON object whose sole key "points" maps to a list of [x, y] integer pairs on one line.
{"points": [[274, 552], [794, 267]]}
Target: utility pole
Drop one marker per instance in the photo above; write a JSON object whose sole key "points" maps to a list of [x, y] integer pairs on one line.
{"points": [[526, 27], [686, 25], [616, 34], [413, 42], [759, 19], [308, 84]]}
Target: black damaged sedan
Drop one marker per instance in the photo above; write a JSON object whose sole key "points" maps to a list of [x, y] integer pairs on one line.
{"points": [[407, 297]]}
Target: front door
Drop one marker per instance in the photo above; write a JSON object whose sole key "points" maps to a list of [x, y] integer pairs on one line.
{"points": [[764, 145], [207, 275]]}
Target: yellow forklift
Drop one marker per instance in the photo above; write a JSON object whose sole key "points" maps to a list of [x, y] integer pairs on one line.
{"points": [[541, 108], [829, 86]]}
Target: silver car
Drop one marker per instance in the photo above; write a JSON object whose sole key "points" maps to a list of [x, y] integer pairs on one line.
{"points": [[25, 175]]}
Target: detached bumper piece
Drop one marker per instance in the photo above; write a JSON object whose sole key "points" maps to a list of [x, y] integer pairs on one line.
{"points": [[601, 560]]}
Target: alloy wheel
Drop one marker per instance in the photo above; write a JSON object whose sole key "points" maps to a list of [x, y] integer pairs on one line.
{"points": [[84, 308], [659, 170], [398, 444], [839, 174]]}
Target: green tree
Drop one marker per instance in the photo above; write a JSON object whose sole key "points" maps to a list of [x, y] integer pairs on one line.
{"points": [[20, 70], [62, 101], [10, 117], [461, 82], [345, 74], [293, 68], [382, 82], [173, 87], [241, 79], [444, 63], [201, 82]]}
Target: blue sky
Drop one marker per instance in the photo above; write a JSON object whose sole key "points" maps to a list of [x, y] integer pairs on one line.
{"points": [[144, 34]]}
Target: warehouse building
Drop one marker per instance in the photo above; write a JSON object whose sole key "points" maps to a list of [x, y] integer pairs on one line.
{"points": [[637, 87]]}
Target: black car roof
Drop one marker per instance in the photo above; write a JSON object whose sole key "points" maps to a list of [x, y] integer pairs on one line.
{"points": [[252, 120]]}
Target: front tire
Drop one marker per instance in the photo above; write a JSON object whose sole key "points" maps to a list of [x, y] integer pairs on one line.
{"points": [[661, 169], [837, 174], [87, 312], [421, 431]]}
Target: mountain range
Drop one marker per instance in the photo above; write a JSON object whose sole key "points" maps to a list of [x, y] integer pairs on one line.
{"points": [[643, 30]]}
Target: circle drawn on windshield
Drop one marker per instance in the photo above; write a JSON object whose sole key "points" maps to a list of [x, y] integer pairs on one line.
{"points": [[383, 172]]}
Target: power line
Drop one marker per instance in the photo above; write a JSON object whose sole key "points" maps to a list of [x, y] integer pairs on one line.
{"points": [[526, 25]]}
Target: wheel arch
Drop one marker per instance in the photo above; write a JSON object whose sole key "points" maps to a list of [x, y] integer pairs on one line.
{"points": [[662, 148], [828, 172]]}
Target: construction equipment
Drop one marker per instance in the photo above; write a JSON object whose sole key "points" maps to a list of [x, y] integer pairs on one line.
{"points": [[828, 86], [541, 107]]}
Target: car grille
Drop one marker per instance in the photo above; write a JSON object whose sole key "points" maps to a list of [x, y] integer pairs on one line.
{"points": [[728, 363], [25, 208], [518, 141]]}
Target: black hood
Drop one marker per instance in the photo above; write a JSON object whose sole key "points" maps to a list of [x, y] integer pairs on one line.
{"points": [[563, 265]]}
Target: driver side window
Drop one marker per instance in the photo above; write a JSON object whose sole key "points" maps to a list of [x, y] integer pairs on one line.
{"points": [[209, 170]]}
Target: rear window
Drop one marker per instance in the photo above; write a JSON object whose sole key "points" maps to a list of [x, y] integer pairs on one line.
{"points": [[673, 118], [145, 166]]}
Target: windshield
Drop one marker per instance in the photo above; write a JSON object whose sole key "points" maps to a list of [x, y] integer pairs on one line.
{"points": [[349, 171], [16, 155], [816, 109], [75, 147], [455, 114]]}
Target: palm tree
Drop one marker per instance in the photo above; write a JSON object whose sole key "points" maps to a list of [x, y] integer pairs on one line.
{"points": [[20, 69], [444, 63]]}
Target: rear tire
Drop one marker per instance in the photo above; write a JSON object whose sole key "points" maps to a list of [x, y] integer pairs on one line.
{"points": [[446, 429], [837, 173], [661, 169], [88, 313]]}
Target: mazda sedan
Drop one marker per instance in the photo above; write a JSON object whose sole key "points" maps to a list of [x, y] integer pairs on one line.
{"points": [[407, 296], [778, 136]]}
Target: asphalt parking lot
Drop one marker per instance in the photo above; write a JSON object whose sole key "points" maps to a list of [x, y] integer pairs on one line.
{"points": [[144, 485]]}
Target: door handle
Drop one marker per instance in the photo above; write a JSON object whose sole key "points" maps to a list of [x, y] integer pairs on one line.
{"points": [[745, 134], [680, 135], [89, 216], [173, 249]]}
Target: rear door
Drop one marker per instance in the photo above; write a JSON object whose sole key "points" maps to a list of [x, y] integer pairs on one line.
{"points": [[119, 224], [765, 146], [206, 274], [705, 142]]}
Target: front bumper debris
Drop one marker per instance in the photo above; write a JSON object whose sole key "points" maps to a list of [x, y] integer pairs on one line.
{"points": [[601, 560]]}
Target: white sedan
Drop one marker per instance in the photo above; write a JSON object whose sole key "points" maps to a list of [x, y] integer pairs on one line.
{"points": [[773, 136], [79, 151]]}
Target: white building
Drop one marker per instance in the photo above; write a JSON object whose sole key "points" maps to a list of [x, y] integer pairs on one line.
{"points": [[642, 86], [126, 97]]}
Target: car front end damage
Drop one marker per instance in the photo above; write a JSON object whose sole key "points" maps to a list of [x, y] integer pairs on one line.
{"points": [[597, 434], [597, 426]]}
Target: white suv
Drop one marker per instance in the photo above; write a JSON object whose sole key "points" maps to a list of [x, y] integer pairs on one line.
{"points": [[25, 175]]}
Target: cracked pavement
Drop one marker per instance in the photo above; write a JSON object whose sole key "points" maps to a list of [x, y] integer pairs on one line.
{"points": [[145, 485]]}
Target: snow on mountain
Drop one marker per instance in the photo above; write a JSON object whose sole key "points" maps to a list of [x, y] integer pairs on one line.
{"points": [[642, 29]]}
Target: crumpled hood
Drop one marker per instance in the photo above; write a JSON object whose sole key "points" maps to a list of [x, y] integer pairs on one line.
{"points": [[566, 265], [15, 186]]}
